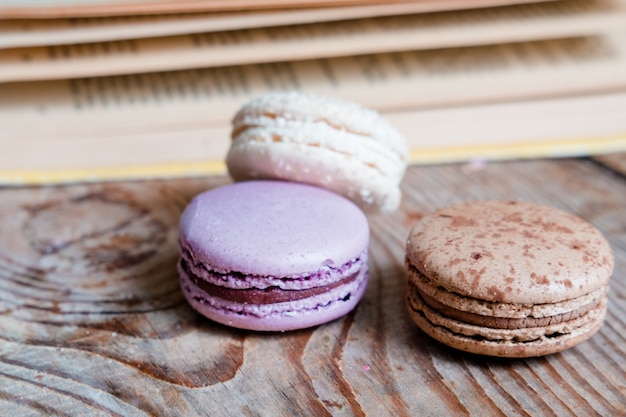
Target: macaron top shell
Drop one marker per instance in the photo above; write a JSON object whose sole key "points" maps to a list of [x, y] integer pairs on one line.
{"points": [[273, 228], [297, 108], [510, 251]]}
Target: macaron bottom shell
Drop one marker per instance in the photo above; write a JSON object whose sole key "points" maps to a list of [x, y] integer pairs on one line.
{"points": [[282, 316], [517, 343], [365, 184]]}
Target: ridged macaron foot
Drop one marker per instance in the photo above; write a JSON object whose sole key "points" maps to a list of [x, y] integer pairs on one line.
{"points": [[335, 144], [273, 255], [507, 278]]}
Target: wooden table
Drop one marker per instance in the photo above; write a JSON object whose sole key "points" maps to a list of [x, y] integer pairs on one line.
{"points": [[92, 321]]}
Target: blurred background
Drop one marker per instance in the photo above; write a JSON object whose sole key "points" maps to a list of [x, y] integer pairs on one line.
{"points": [[104, 89]]}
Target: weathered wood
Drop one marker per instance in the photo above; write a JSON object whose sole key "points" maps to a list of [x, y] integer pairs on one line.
{"points": [[92, 321], [615, 161]]}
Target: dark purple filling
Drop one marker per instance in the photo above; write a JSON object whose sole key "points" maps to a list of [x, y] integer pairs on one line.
{"points": [[268, 295]]}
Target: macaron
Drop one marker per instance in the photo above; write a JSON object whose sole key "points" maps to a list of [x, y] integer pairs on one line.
{"points": [[507, 278], [323, 141], [273, 255]]}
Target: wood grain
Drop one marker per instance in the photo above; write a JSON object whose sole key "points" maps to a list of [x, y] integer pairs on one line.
{"points": [[92, 321], [615, 161]]}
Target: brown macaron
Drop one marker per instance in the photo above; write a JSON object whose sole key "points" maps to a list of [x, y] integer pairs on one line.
{"points": [[507, 278]]}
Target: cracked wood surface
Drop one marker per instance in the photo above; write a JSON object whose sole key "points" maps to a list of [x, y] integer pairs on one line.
{"points": [[92, 321]]}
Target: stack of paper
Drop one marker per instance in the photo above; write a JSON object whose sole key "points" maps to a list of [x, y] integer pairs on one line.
{"points": [[107, 89]]}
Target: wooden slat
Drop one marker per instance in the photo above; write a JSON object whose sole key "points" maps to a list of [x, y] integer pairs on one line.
{"points": [[93, 322], [615, 161]]}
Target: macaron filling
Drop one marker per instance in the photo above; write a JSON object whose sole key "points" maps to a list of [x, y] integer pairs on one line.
{"points": [[504, 322], [267, 295], [501, 315], [251, 295], [438, 323], [329, 303]]}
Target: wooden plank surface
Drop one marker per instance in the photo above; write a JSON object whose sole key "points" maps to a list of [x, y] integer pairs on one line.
{"points": [[92, 321], [615, 161]]}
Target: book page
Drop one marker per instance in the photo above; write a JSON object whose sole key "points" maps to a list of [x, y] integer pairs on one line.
{"points": [[320, 40], [557, 127], [561, 127], [45, 32], [83, 8], [163, 120]]}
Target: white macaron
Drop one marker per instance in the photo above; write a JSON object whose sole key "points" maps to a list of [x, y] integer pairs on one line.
{"points": [[335, 144]]}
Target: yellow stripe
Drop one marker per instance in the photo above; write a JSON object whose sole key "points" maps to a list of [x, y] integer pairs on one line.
{"points": [[35, 177], [539, 149]]}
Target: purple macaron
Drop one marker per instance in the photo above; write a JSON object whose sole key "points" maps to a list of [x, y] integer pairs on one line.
{"points": [[273, 255]]}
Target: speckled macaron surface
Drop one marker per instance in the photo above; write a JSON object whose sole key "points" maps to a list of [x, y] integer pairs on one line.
{"points": [[323, 141], [273, 255], [507, 278]]}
